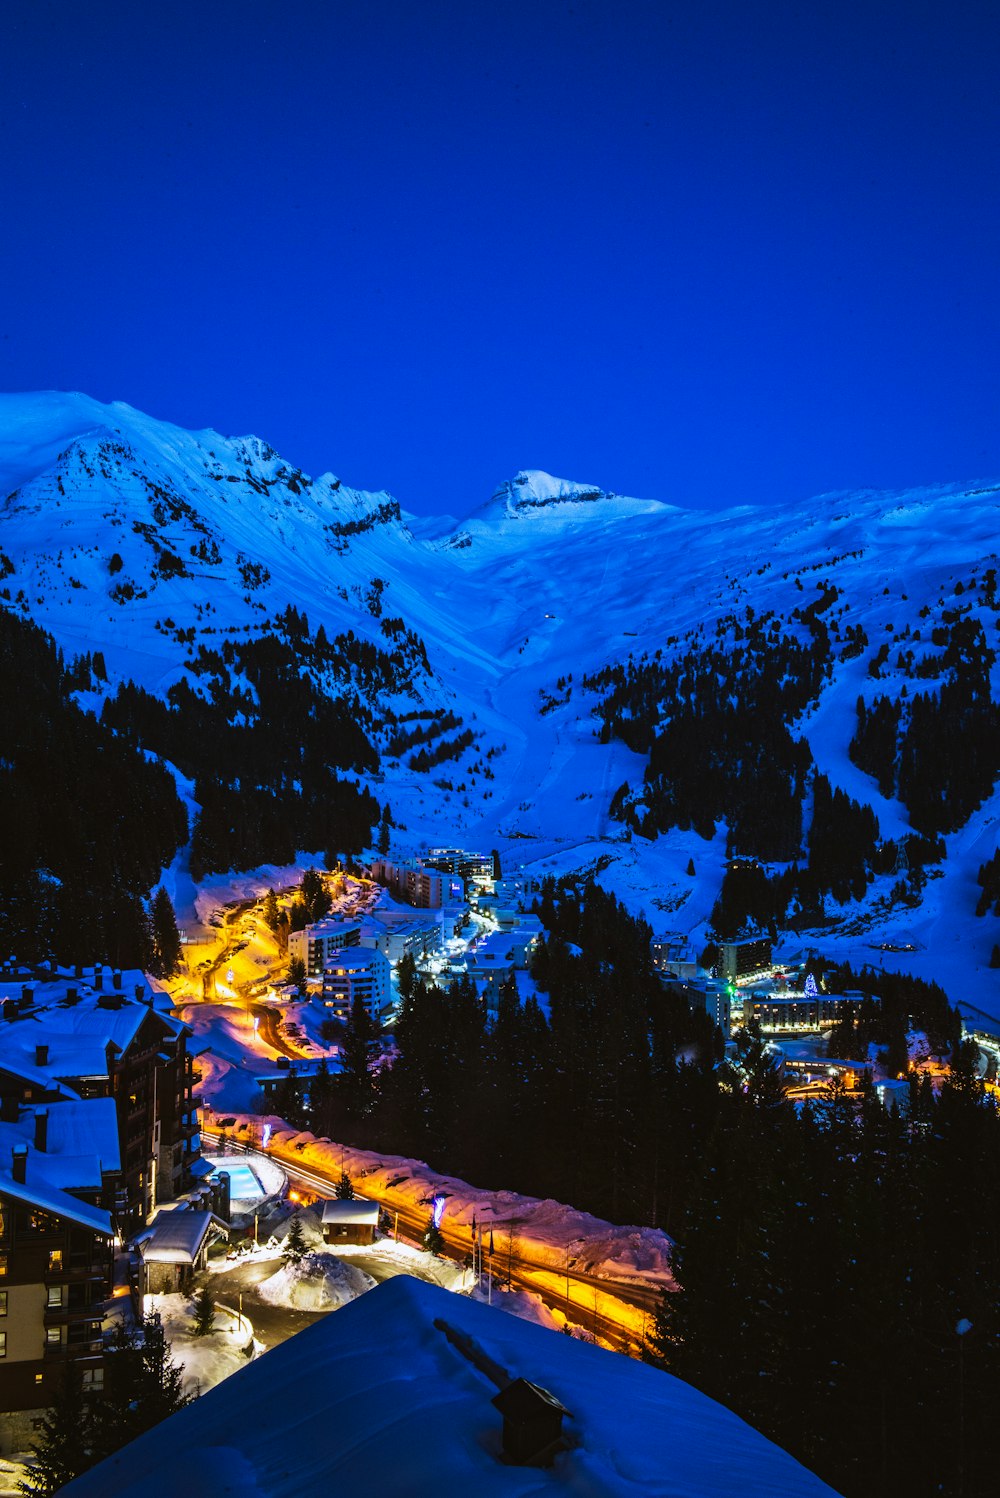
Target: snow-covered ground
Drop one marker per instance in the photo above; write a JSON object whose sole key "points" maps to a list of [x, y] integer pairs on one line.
{"points": [[206, 1360]]}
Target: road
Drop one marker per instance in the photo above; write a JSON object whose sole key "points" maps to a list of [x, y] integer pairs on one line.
{"points": [[616, 1312]]}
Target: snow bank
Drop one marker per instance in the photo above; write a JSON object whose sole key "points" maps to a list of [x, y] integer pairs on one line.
{"points": [[318, 1282], [548, 1232]]}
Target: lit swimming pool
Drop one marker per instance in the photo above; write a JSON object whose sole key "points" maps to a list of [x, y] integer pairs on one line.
{"points": [[244, 1185]]}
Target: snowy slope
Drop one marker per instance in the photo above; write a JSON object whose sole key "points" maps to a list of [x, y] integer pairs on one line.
{"points": [[378, 1395], [548, 579]]}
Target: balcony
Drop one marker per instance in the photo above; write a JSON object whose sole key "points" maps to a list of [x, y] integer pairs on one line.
{"points": [[78, 1347]]}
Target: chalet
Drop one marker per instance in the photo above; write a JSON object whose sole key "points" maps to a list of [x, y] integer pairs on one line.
{"points": [[174, 1248], [353, 1221]]}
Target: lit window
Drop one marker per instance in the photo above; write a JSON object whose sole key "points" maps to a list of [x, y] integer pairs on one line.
{"points": [[53, 1336], [3, 1302], [3, 1264], [3, 1344], [55, 1261], [55, 1295]]}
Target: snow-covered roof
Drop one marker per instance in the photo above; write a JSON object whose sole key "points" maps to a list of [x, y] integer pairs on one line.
{"points": [[81, 1143], [380, 1391], [354, 1213], [49, 1198], [176, 1237], [76, 1039]]}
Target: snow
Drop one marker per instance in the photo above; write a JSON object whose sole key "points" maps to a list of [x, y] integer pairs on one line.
{"points": [[318, 1282], [381, 1394], [548, 578], [208, 1360]]}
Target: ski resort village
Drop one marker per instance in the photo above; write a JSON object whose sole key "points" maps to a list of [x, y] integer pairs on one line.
{"points": [[478, 1005]]}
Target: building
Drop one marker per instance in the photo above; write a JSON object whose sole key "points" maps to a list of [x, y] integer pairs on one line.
{"points": [[739, 960], [357, 972], [398, 933], [65, 1037], [319, 943], [416, 884], [793, 1011], [318, 1415], [477, 867], [58, 1168], [289, 1068], [174, 1248], [353, 1221], [672, 954], [709, 994]]}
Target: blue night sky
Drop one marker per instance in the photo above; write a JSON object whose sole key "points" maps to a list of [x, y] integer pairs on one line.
{"points": [[707, 252]]}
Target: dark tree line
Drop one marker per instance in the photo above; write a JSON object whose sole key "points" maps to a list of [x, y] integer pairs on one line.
{"points": [[825, 1257], [940, 752], [263, 742], [88, 822], [839, 1274], [714, 722]]}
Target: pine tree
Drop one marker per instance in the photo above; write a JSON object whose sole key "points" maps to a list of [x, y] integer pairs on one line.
{"points": [[355, 1085], [295, 1244], [142, 1386], [383, 832], [166, 937], [344, 1191], [271, 912], [204, 1313], [63, 1450], [433, 1241]]}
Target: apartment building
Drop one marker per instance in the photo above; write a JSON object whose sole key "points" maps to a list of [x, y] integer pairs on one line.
{"points": [[59, 1169], [99, 1036], [361, 972]]}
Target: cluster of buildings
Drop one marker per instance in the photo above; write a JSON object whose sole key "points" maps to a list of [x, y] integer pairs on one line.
{"points": [[98, 1127], [744, 985], [354, 958]]}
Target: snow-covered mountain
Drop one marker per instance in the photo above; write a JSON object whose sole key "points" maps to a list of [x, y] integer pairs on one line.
{"points": [[128, 536]]}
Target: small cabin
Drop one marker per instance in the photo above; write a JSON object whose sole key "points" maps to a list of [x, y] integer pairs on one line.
{"points": [[532, 1423], [352, 1221]]}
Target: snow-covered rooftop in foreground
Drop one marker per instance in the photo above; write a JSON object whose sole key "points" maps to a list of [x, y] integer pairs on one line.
{"points": [[377, 1398]]}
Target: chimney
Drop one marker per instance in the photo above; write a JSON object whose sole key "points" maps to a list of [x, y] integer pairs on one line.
{"points": [[41, 1054], [116, 978], [72, 996], [78, 971], [27, 995], [99, 978], [42, 1129], [19, 1163]]}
